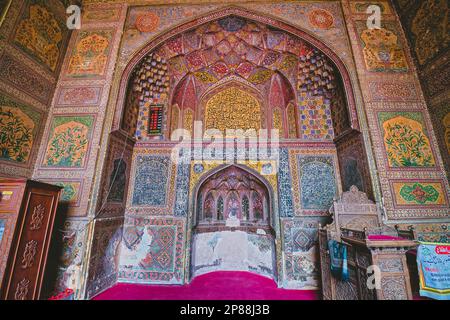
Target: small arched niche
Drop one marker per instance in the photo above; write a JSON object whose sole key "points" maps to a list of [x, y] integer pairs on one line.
{"points": [[233, 198], [232, 229]]}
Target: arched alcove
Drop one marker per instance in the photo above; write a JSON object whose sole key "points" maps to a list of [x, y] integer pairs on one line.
{"points": [[232, 229], [181, 100], [167, 84]]}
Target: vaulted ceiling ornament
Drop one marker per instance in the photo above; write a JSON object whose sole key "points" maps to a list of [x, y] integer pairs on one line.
{"points": [[270, 60]]}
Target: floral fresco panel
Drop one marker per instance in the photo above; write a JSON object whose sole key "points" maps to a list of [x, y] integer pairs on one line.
{"points": [[382, 48], [68, 141], [406, 139], [419, 193], [90, 55], [40, 33], [18, 129]]}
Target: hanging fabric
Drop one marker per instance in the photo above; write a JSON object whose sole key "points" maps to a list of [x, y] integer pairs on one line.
{"points": [[338, 257]]}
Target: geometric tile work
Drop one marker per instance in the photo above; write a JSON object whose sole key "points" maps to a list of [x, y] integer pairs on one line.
{"points": [[182, 190], [152, 251], [90, 54], [315, 118], [300, 248], [40, 33], [104, 260]]}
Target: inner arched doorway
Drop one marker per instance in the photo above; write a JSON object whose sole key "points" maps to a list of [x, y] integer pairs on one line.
{"points": [[232, 230]]}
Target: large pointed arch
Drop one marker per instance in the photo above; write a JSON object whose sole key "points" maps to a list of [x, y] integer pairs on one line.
{"points": [[247, 14]]}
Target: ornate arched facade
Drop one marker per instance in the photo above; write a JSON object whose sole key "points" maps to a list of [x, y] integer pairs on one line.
{"points": [[235, 72], [134, 74]]}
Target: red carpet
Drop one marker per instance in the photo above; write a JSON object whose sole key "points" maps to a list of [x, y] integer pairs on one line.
{"points": [[220, 285]]}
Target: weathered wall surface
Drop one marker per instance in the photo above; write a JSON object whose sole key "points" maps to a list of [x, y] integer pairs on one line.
{"points": [[227, 250]]}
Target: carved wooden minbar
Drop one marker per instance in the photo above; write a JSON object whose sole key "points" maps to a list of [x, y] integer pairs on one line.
{"points": [[356, 225], [28, 209]]}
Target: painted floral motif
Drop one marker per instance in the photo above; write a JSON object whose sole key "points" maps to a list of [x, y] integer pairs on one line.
{"points": [[16, 135], [277, 122], [90, 55], [419, 193], [40, 34], [382, 51], [68, 142], [407, 145], [320, 18], [161, 249], [429, 193], [205, 77], [147, 22], [260, 76]]}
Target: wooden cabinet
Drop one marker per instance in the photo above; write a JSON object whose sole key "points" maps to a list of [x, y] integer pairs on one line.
{"points": [[27, 213]]}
